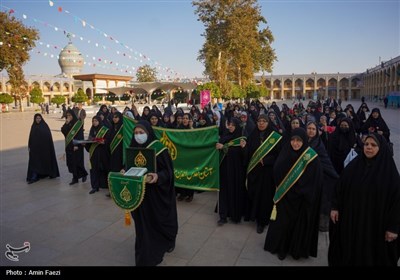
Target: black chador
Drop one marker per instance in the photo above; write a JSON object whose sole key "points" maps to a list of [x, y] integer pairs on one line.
{"points": [[42, 156]]}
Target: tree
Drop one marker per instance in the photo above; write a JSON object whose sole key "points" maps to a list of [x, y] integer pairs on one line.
{"points": [[5, 98], [58, 99], [146, 74], [235, 47], [213, 87], [17, 41], [36, 95], [79, 97]]}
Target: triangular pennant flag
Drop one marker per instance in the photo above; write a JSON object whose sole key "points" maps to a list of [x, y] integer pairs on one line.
{"points": [[51, 3], [60, 9]]}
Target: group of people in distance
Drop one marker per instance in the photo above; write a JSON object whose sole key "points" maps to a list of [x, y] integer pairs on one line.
{"points": [[282, 168]]}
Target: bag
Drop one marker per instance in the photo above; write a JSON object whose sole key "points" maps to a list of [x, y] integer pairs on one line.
{"points": [[350, 156]]}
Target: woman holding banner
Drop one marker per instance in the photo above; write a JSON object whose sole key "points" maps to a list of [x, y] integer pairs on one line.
{"points": [[156, 221]]}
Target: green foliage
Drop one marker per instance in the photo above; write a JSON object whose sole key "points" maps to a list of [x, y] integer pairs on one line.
{"points": [[21, 40], [255, 91], [181, 96], [237, 92], [235, 45], [125, 97], [79, 97], [58, 99], [96, 98], [212, 86], [5, 98], [36, 95], [146, 74]]}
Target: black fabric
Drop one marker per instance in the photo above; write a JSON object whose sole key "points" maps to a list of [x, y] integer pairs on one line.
{"points": [[260, 181], [232, 194], [75, 159], [367, 198], [42, 156], [340, 144], [330, 175], [116, 158], [295, 230], [156, 221], [376, 124], [100, 159]]}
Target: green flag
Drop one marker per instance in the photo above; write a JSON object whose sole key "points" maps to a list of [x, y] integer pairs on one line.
{"points": [[193, 152]]}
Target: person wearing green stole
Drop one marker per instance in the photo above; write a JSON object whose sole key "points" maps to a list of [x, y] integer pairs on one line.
{"points": [[263, 148], [99, 155], [73, 129], [156, 221], [293, 228], [232, 192]]}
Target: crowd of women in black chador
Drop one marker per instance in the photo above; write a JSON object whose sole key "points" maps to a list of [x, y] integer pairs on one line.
{"points": [[42, 157]]}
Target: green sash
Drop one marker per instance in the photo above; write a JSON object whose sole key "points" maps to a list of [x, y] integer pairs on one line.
{"points": [[292, 177], [158, 146], [116, 140], [264, 149], [126, 191], [74, 130], [233, 143], [100, 134]]}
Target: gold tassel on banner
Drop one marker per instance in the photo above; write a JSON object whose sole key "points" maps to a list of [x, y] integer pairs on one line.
{"points": [[273, 213], [127, 218]]}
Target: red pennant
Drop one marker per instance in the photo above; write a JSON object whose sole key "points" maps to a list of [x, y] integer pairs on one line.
{"points": [[60, 9], [11, 11]]}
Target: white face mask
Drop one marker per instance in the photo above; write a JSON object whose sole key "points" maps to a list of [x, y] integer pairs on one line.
{"points": [[141, 138]]}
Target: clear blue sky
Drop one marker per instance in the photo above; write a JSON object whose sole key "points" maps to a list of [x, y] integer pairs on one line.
{"points": [[320, 36]]}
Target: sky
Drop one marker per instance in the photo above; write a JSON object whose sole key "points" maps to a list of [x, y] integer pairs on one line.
{"points": [[310, 36]]}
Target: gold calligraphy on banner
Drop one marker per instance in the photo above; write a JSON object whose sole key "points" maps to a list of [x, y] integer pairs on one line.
{"points": [[200, 174]]}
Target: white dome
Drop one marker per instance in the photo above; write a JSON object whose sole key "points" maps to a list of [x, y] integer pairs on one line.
{"points": [[70, 60]]}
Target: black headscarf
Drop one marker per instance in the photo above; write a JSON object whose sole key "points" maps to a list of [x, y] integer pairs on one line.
{"points": [[288, 156], [95, 129], [146, 126], [228, 136]]}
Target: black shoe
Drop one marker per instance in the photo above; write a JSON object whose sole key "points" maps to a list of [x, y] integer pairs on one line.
{"points": [[108, 195], [189, 199], [281, 257], [84, 178], [92, 191], [32, 181], [181, 197], [73, 182], [260, 229], [222, 221]]}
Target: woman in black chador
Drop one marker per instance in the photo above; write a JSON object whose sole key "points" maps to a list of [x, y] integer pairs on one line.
{"points": [[260, 181], [42, 157], [73, 129], [295, 228], [365, 216], [156, 221]]}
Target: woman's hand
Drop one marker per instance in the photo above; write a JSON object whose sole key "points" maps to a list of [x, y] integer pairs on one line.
{"points": [[334, 216], [122, 171], [76, 148], [242, 143], [390, 236], [151, 178], [219, 146]]}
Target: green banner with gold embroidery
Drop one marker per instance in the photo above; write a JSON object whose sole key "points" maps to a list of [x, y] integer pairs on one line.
{"points": [[193, 152], [127, 192]]}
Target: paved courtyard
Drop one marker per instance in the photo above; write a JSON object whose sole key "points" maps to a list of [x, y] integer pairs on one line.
{"points": [[68, 227]]}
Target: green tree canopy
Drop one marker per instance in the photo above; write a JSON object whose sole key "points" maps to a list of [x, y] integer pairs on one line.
{"points": [[79, 97], [146, 74], [36, 95], [17, 41], [58, 99], [5, 98], [235, 45], [212, 86]]}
